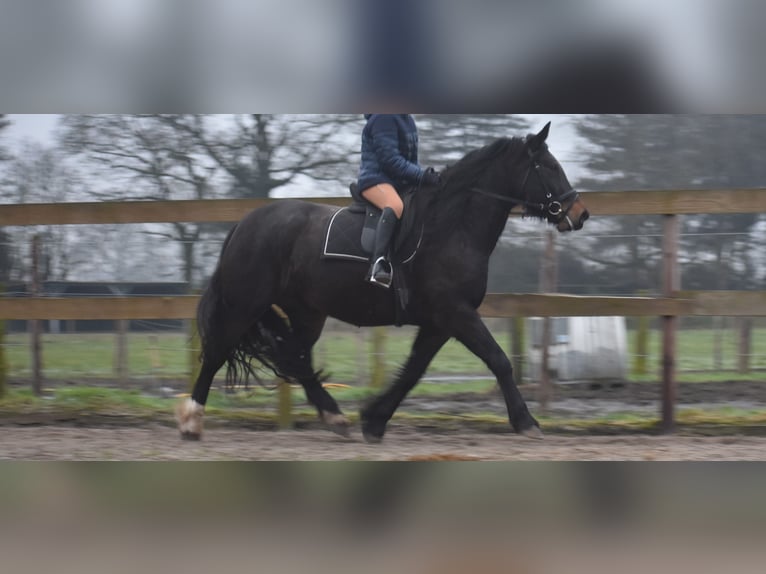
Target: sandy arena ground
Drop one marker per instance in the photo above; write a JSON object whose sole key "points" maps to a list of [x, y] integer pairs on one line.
{"points": [[162, 443]]}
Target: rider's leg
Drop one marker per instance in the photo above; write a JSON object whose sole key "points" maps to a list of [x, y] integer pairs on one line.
{"points": [[384, 197]]}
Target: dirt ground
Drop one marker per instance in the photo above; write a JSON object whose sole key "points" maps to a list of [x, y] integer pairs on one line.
{"points": [[583, 401], [50, 440], [162, 443]]}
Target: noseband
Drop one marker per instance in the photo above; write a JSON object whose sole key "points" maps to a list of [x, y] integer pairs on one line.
{"points": [[553, 207]]}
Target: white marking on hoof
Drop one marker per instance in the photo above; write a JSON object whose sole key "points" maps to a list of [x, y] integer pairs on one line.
{"points": [[534, 433], [189, 417]]}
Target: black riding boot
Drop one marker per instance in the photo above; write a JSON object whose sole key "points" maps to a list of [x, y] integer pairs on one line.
{"points": [[381, 273]]}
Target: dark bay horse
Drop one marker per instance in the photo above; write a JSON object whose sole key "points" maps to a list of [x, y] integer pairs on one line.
{"points": [[271, 293]]}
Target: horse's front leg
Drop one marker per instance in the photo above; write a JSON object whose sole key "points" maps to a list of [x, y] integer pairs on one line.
{"points": [[468, 328], [376, 414]]}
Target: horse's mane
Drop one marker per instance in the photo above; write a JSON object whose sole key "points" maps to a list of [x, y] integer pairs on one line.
{"points": [[448, 204]]}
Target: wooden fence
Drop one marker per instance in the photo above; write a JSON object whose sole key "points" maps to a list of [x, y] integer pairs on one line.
{"points": [[672, 304]]}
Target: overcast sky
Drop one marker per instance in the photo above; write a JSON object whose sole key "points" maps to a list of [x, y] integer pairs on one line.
{"points": [[563, 141], [35, 127]]}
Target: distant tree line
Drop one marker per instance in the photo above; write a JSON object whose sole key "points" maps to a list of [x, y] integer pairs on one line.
{"points": [[642, 152]]}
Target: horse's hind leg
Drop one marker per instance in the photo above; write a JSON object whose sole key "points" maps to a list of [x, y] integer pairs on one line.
{"points": [[189, 412], [221, 339], [296, 361]]}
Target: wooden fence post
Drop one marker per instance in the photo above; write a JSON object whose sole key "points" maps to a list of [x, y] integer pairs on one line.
{"points": [[121, 351], [378, 375], [745, 344], [671, 283], [548, 284], [195, 345], [517, 348], [285, 405], [195, 349], [362, 357], [642, 346], [35, 325], [718, 326], [3, 357]]}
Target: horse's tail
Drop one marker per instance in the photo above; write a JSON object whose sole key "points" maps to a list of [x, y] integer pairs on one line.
{"points": [[211, 323], [274, 347], [269, 341]]}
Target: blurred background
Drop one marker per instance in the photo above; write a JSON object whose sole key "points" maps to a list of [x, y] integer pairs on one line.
{"points": [[588, 68], [59, 158], [119, 157], [292, 55]]}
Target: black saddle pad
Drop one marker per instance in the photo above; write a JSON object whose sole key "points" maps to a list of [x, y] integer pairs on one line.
{"points": [[351, 235], [343, 239]]}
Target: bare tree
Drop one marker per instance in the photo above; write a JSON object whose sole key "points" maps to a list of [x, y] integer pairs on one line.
{"points": [[675, 152], [445, 138], [195, 156], [39, 174], [4, 123], [146, 160], [263, 152], [6, 252]]}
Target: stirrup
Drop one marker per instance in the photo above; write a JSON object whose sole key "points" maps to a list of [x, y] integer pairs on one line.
{"points": [[381, 273]]}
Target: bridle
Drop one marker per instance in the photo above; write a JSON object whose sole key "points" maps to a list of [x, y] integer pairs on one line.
{"points": [[551, 208]]}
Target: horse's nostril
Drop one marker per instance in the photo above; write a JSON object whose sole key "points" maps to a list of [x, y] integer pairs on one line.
{"points": [[584, 217]]}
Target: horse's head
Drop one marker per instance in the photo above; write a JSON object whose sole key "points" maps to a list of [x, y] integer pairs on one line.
{"points": [[546, 190]]}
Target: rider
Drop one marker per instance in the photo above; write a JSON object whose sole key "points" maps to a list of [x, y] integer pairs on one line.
{"points": [[389, 166]]}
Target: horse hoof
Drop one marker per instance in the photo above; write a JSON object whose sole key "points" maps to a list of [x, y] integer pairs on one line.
{"points": [[370, 438], [533, 433], [343, 430], [373, 432], [189, 418], [373, 427], [337, 423]]}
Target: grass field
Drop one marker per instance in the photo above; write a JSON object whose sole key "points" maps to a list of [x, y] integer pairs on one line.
{"points": [[86, 361], [108, 406], [347, 356]]}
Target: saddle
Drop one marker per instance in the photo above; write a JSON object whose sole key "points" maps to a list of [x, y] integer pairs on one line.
{"points": [[350, 236], [350, 233]]}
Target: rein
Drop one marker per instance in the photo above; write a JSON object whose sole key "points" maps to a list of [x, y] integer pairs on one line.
{"points": [[553, 207]]}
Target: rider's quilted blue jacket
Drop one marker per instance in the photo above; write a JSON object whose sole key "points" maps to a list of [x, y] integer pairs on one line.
{"points": [[390, 152]]}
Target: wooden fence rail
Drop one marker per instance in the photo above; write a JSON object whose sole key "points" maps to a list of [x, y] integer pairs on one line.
{"points": [[670, 202], [684, 303], [673, 302]]}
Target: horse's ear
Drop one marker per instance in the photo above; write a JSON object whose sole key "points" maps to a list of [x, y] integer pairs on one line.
{"points": [[536, 142], [544, 132]]}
